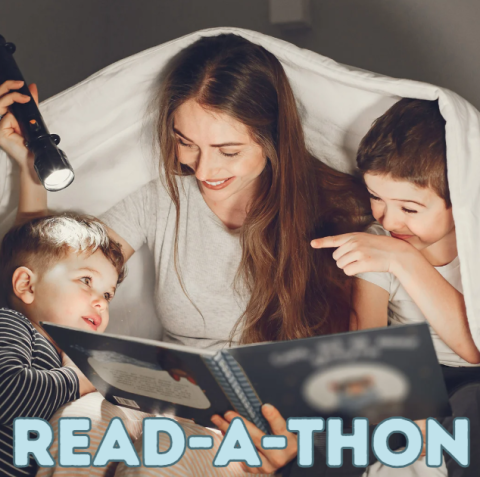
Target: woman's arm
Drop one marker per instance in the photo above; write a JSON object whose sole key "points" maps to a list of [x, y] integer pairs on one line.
{"points": [[33, 196], [441, 304], [127, 249], [370, 306]]}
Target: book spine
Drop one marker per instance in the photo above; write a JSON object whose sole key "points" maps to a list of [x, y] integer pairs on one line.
{"points": [[243, 389], [219, 375]]}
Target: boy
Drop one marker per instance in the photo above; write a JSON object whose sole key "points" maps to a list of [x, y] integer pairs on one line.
{"points": [[62, 269], [407, 269]]}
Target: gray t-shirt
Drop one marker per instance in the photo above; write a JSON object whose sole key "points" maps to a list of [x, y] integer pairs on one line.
{"points": [[208, 256]]}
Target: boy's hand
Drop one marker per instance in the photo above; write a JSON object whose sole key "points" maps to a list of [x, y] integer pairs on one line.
{"points": [[85, 385], [11, 139], [362, 252]]}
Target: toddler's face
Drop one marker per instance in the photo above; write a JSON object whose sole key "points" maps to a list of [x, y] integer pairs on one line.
{"points": [[418, 216], [75, 292]]}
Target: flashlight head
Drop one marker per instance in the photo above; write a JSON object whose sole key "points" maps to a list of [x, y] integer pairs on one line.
{"points": [[51, 164]]}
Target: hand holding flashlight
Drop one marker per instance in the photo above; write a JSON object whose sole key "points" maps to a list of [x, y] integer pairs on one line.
{"points": [[11, 138], [51, 164]]}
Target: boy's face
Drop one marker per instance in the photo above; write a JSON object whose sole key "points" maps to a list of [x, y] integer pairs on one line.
{"points": [[418, 216], [75, 292]]}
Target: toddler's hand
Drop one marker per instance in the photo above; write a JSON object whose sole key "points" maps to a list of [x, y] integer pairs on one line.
{"points": [[362, 252], [86, 386]]}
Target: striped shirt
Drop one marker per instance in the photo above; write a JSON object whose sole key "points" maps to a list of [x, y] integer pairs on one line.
{"points": [[33, 382]]}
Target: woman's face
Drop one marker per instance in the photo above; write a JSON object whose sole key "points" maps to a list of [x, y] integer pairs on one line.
{"points": [[219, 149]]}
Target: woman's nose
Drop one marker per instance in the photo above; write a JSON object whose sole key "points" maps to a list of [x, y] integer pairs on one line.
{"points": [[207, 167]]}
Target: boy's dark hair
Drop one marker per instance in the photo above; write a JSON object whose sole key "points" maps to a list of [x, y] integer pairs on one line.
{"points": [[408, 143], [41, 242]]}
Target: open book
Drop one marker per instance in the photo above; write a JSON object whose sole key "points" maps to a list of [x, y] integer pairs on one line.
{"points": [[376, 373]]}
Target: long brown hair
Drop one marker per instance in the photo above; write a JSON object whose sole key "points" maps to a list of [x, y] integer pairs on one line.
{"points": [[296, 291]]}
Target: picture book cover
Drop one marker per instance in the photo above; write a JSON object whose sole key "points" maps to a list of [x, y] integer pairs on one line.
{"points": [[377, 373]]}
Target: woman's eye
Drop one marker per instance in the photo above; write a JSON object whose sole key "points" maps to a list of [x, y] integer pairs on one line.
{"points": [[226, 154], [374, 197], [409, 211], [86, 280], [184, 144]]}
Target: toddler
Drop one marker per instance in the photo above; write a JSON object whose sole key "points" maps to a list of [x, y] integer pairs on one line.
{"points": [[61, 269]]}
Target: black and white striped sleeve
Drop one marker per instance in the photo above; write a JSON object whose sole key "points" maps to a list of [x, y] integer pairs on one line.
{"points": [[27, 390]]}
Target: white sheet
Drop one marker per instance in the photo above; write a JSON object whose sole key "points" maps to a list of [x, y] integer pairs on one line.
{"points": [[106, 132]]}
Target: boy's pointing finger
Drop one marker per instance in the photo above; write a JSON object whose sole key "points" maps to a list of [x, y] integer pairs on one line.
{"points": [[330, 242]]}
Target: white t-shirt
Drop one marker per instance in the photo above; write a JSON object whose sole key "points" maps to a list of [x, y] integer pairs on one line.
{"points": [[403, 310], [209, 255]]}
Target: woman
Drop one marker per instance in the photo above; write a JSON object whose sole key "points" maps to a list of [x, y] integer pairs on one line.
{"points": [[232, 216]]}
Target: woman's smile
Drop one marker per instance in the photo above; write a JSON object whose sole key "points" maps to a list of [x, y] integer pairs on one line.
{"points": [[218, 184]]}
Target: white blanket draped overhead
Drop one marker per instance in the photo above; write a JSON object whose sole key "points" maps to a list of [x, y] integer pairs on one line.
{"points": [[107, 134]]}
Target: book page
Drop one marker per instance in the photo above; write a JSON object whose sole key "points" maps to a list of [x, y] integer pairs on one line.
{"points": [[151, 383]]}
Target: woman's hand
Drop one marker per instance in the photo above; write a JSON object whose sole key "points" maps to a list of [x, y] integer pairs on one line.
{"points": [[362, 252], [272, 460], [422, 424], [11, 139], [85, 385]]}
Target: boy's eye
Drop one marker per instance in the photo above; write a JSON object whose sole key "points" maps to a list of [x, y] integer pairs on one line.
{"points": [[108, 296], [409, 211], [86, 280]]}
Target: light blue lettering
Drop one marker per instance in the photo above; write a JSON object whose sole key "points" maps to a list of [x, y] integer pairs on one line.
{"points": [[458, 445], [337, 441], [116, 446], [68, 442], [237, 446], [305, 427], [23, 446], [382, 449], [152, 427]]}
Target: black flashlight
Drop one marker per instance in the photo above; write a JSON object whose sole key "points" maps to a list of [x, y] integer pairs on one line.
{"points": [[51, 163]]}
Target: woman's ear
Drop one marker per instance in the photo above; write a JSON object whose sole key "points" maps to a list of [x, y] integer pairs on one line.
{"points": [[23, 281]]}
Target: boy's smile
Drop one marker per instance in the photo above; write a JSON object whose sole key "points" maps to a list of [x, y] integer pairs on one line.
{"points": [[74, 292], [413, 214]]}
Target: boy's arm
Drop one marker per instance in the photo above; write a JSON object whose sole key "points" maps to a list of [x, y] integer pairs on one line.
{"points": [[370, 306], [26, 391], [441, 304]]}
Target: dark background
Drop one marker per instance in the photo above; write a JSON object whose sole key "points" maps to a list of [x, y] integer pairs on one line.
{"points": [[60, 43]]}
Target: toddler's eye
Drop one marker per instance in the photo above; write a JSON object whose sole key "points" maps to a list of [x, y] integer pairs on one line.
{"points": [[108, 296], [409, 211], [86, 280]]}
